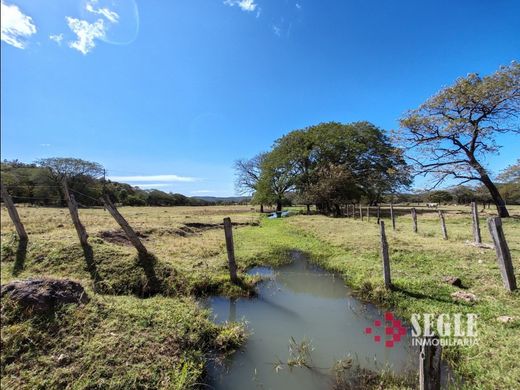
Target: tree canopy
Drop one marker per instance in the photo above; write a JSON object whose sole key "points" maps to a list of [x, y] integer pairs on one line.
{"points": [[331, 164]]}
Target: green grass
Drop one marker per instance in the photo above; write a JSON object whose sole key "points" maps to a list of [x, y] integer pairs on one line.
{"points": [[112, 342], [120, 340]]}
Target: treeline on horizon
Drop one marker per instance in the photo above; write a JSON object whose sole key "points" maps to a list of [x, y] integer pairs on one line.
{"points": [[33, 183], [40, 183]]}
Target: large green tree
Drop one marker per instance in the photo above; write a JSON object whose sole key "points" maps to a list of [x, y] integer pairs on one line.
{"points": [[331, 164], [453, 132]]}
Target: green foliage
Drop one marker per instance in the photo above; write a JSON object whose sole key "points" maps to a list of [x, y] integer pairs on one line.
{"points": [[440, 196], [332, 164], [41, 184]]}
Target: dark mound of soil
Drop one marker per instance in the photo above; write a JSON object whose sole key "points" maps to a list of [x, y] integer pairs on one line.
{"points": [[43, 295], [118, 237]]}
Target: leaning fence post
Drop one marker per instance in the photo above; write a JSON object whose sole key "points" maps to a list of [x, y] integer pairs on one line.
{"points": [[378, 214], [430, 363], [476, 225], [503, 253], [13, 214], [392, 216], [384, 256], [228, 231], [130, 233], [414, 219], [443, 225], [73, 210]]}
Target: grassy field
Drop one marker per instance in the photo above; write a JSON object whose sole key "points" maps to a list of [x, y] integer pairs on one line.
{"points": [[120, 340]]}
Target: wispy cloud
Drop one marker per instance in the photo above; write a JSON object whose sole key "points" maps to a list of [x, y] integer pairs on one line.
{"points": [[200, 192], [16, 26], [277, 30], [107, 13], [298, 6], [86, 33], [154, 178], [150, 185], [244, 5], [56, 38], [45, 145]]}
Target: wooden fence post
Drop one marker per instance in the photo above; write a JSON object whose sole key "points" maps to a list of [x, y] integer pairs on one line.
{"points": [[368, 212], [130, 233], [228, 231], [392, 216], [378, 214], [430, 364], [503, 253], [476, 224], [443, 225], [73, 210], [13, 214], [414, 219], [384, 256]]}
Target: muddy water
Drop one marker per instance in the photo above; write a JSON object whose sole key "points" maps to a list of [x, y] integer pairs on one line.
{"points": [[303, 302]]}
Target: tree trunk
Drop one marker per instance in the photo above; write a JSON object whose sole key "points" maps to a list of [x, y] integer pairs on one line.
{"points": [[497, 198], [261, 208], [278, 205], [493, 190], [308, 209]]}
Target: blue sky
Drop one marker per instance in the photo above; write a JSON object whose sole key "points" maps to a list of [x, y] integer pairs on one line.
{"points": [[170, 93]]}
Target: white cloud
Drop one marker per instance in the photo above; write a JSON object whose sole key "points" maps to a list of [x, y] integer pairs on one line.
{"points": [[298, 6], [107, 13], [56, 38], [277, 30], [244, 5], [154, 178], [45, 145], [16, 26], [150, 185], [86, 33], [199, 192]]}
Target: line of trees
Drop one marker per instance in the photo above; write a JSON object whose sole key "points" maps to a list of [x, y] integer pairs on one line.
{"points": [[40, 183]]}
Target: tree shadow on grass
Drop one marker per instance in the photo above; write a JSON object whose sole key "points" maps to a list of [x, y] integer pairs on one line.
{"points": [[417, 295], [21, 254], [148, 261], [91, 266]]}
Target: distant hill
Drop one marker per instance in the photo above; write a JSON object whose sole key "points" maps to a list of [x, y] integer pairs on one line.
{"points": [[224, 199]]}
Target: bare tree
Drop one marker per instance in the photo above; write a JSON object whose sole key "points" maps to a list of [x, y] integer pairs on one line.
{"points": [[450, 135], [248, 175]]}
